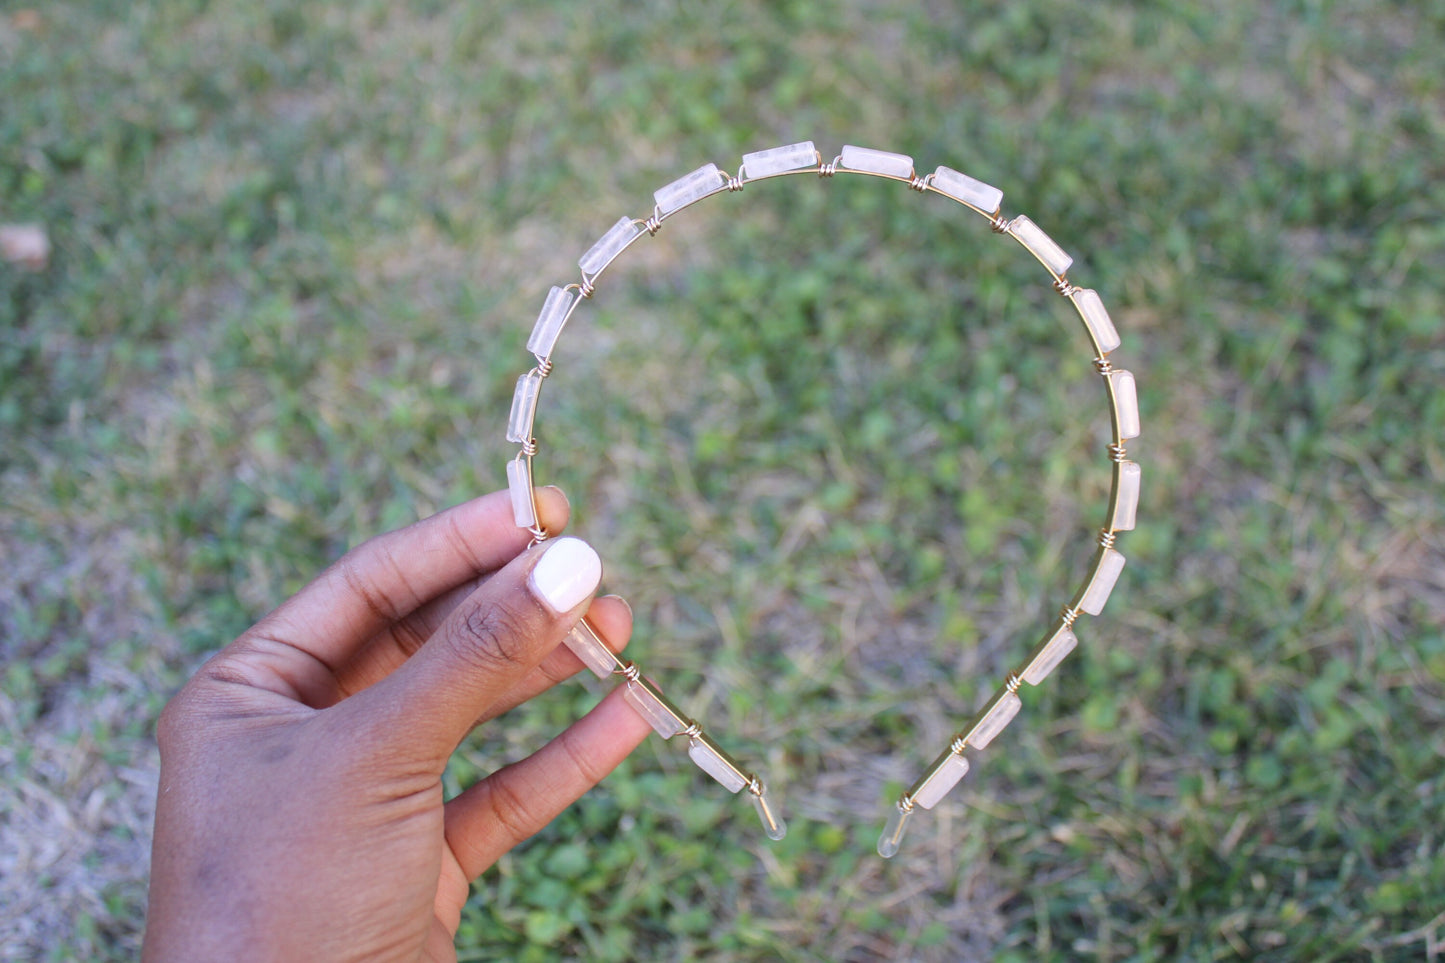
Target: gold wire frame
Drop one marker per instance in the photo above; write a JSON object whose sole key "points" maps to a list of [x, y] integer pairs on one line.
{"points": [[666, 719]]}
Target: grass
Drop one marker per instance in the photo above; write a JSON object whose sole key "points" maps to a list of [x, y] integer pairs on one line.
{"points": [[829, 437]]}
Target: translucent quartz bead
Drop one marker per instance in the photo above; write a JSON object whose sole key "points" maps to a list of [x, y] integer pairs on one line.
{"points": [[1096, 319], [706, 180], [1106, 573], [1060, 644], [871, 161], [976, 194], [780, 160], [1040, 245], [608, 246], [549, 323], [593, 652], [1126, 498], [652, 707], [945, 773], [999, 714], [1126, 403], [524, 407], [773, 824], [893, 832], [711, 760], [519, 486]]}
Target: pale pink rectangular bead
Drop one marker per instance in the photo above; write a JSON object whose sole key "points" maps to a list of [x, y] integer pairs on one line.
{"points": [[709, 759], [591, 650], [780, 160], [519, 486], [1127, 476], [1106, 573], [651, 708], [1126, 403], [609, 245], [1040, 245], [524, 407], [871, 161], [688, 188], [1060, 645], [944, 775], [549, 323], [999, 714], [1096, 319], [975, 193]]}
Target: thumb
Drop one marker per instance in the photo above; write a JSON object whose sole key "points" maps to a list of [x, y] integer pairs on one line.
{"points": [[488, 643]]}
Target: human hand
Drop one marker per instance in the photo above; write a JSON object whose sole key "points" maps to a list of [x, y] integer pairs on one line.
{"points": [[300, 811]]}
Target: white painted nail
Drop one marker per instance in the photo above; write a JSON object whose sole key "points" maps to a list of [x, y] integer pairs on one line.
{"points": [[568, 572]]}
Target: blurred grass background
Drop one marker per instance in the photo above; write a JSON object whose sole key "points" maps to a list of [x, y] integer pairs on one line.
{"points": [[840, 447]]}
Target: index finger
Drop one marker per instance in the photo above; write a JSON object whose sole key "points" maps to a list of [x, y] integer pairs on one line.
{"points": [[390, 576], [488, 644]]}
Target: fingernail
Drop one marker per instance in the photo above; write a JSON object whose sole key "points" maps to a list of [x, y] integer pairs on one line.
{"points": [[565, 500], [567, 573], [625, 604]]}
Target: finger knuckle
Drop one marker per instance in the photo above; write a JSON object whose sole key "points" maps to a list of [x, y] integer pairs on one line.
{"points": [[492, 637], [580, 759], [511, 811], [354, 573]]}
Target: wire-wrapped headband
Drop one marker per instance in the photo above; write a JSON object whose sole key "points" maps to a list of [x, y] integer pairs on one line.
{"points": [[1058, 641]]}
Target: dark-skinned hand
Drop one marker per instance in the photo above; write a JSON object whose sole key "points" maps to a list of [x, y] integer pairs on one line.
{"points": [[300, 813]]}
